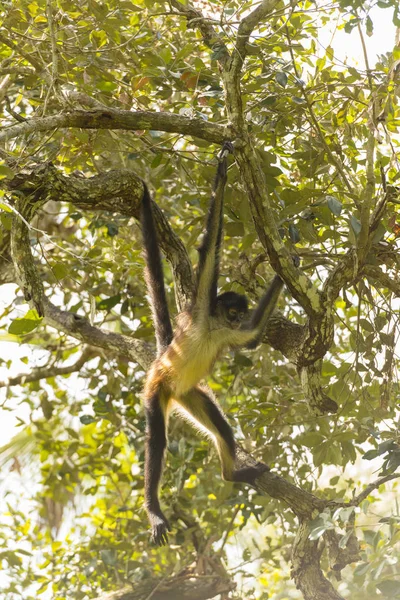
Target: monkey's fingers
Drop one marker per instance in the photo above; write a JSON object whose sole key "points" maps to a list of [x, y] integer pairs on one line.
{"points": [[159, 530]]}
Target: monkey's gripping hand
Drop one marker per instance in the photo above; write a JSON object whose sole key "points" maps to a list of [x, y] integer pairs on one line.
{"points": [[159, 528], [250, 474]]}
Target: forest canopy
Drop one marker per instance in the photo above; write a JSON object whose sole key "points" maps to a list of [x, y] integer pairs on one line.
{"points": [[97, 98]]}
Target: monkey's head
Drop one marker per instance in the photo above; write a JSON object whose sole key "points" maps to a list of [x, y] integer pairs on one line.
{"points": [[232, 308]]}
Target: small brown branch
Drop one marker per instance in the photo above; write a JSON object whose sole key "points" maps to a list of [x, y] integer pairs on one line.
{"points": [[314, 121], [371, 487], [5, 84], [210, 36], [232, 71], [38, 66], [246, 27], [378, 278], [364, 238], [121, 119], [46, 372], [54, 50]]}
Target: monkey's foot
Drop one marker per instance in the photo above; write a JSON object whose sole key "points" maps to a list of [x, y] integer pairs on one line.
{"points": [[159, 528], [250, 474]]}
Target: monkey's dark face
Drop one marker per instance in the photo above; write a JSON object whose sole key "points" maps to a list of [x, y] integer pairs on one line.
{"points": [[233, 308]]}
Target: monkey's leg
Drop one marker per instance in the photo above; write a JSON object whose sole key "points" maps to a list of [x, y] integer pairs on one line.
{"points": [[206, 415], [156, 442]]}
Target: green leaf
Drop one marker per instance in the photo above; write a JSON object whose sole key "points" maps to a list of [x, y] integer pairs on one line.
{"points": [[235, 229], [87, 419], [355, 224], [281, 78], [369, 26], [60, 270], [6, 221], [390, 588], [294, 233], [366, 325], [334, 205], [6, 172], [298, 100], [370, 454], [361, 569], [108, 303], [24, 325]]}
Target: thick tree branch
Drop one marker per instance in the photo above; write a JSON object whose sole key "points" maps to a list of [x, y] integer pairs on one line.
{"points": [[118, 191], [188, 586], [79, 328], [306, 569], [109, 118], [70, 323], [265, 223]]}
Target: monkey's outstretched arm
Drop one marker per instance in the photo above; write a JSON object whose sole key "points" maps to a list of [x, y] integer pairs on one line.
{"points": [[265, 308], [251, 333], [208, 268], [154, 275]]}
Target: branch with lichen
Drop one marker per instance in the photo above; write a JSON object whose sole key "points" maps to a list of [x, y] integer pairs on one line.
{"points": [[70, 323], [120, 191], [112, 119]]}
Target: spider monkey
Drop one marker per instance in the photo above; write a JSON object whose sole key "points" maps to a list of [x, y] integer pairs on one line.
{"points": [[184, 357]]}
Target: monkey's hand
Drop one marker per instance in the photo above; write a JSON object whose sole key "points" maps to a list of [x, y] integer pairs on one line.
{"points": [[159, 528], [250, 474]]}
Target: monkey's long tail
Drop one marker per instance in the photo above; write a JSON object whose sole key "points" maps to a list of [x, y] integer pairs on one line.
{"points": [[154, 276]]}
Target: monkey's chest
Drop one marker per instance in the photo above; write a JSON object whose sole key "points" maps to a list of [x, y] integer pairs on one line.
{"points": [[192, 358]]}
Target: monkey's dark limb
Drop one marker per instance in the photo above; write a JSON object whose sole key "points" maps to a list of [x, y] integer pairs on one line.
{"points": [[250, 474], [208, 268], [156, 442], [204, 410], [265, 308], [154, 276]]}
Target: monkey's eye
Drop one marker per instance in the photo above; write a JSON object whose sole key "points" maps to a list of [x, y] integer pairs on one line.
{"points": [[232, 312], [241, 315]]}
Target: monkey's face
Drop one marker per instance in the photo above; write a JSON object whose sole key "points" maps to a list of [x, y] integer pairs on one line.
{"points": [[232, 308]]}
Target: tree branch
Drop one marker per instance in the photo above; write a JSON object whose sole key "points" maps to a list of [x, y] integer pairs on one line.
{"points": [[246, 27], [110, 118], [232, 70], [187, 586], [210, 36], [371, 487], [377, 276], [118, 191], [70, 323], [46, 372]]}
